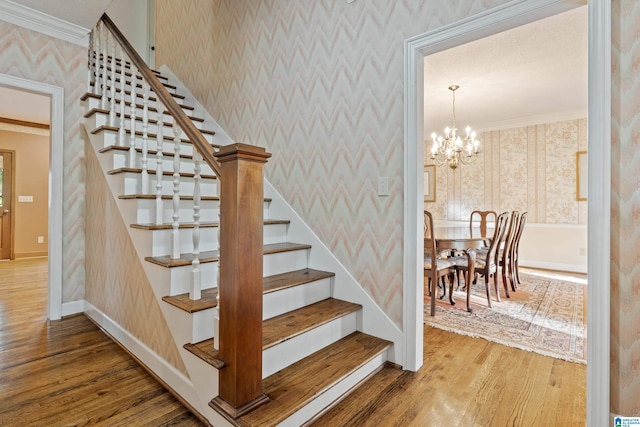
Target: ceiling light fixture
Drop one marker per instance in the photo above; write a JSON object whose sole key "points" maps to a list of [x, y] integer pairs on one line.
{"points": [[452, 149]]}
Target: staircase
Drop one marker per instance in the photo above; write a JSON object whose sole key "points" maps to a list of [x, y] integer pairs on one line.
{"points": [[313, 349]]}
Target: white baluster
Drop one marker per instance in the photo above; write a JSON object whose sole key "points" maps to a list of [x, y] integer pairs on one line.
{"points": [[177, 132], [132, 121], [112, 106], [98, 60], [105, 39], [90, 63], [122, 133], [196, 285], [159, 157], [145, 137]]}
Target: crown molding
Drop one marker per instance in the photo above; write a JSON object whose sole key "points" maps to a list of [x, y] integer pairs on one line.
{"points": [[32, 19]]}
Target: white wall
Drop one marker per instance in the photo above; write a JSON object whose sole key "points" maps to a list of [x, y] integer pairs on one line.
{"points": [[132, 18]]}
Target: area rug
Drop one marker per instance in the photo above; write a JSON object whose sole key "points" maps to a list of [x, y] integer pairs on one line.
{"points": [[545, 315]]}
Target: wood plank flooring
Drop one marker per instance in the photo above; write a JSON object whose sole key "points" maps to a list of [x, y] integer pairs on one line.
{"points": [[469, 382], [68, 372]]}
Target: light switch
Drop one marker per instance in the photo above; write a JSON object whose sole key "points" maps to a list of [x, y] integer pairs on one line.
{"points": [[383, 186], [28, 199]]}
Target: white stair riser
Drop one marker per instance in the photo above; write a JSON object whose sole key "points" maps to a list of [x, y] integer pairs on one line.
{"points": [[121, 160], [301, 346], [133, 185], [110, 138], [162, 239], [118, 84], [181, 277], [283, 262], [209, 211], [102, 119], [305, 294], [92, 103], [286, 300], [147, 211], [329, 396]]}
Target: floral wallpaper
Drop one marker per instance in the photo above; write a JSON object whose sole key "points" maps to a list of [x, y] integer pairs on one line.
{"points": [[531, 168]]}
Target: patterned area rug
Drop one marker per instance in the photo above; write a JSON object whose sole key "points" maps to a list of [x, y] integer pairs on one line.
{"points": [[545, 315]]}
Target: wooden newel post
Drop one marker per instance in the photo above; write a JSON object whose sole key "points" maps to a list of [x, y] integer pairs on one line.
{"points": [[241, 280]]}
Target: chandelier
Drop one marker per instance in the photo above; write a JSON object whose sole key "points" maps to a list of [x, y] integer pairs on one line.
{"points": [[452, 149]]}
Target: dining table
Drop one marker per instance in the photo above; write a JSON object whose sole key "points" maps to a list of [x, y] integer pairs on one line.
{"points": [[461, 239]]}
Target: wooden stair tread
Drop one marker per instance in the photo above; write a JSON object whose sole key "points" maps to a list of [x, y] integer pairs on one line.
{"points": [[170, 197], [293, 387], [128, 72], [164, 81], [88, 95], [294, 278], [205, 351], [271, 284], [203, 224], [150, 135], [209, 299], [212, 256], [93, 111], [168, 155], [163, 197], [153, 172], [289, 325], [139, 93]]}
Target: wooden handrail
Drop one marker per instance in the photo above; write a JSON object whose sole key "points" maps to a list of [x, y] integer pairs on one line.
{"points": [[165, 97]]}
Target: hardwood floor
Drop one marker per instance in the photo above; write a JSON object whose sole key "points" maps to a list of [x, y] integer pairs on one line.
{"points": [[69, 372], [469, 382]]}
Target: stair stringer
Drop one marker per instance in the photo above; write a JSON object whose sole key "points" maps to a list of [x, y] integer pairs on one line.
{"points": [[202, 383], [374, 320]]}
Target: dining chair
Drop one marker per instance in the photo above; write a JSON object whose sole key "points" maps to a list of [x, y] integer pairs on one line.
{"points": [[486, 262], [483, 217], [516, 247], [443, 267], [505, 256]]}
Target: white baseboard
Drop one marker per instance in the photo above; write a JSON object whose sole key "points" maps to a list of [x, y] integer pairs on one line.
{"points": [[73, 307], [573, 268]]}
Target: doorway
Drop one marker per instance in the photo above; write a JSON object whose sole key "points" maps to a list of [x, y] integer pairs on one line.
{"points": [[510, 15], [55, 194], [6, 197]]}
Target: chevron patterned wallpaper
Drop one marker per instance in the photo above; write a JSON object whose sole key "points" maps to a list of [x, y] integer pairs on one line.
{"points": [[319, 83], [34, 56], [625, 209], [124, 293]]}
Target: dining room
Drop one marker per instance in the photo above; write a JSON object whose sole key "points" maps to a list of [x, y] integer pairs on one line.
{"points": [[523, 92]]}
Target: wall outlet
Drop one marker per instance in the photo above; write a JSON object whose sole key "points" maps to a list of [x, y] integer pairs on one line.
{"points": [[583, 251], [40, 239], [27, 199]]}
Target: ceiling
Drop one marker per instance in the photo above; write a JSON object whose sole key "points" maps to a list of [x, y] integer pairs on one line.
{"points": [[531, 74]]}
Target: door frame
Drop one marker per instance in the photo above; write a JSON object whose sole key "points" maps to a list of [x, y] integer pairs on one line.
{"points": [[54, 306], [513, 14], [12, 197]]}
